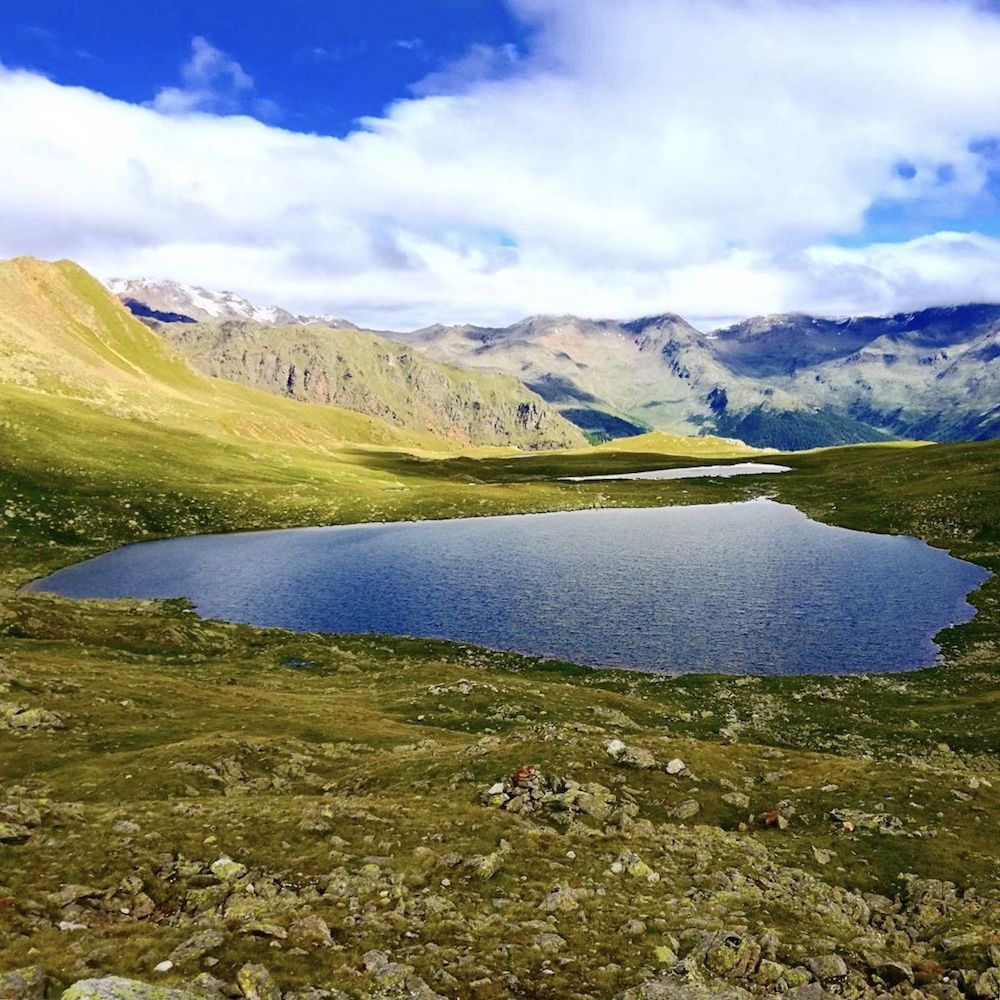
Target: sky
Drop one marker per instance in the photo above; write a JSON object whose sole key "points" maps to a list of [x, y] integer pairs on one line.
{"points": [[404, 162]]}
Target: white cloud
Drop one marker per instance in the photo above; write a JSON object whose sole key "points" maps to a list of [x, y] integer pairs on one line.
{"points": [[480, 63], [213, 82], [700, 156]]}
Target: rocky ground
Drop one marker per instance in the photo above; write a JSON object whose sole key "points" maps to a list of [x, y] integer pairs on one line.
{"points": [[231, 812]]}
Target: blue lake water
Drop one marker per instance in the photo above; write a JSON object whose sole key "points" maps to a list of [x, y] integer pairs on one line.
{"points": [[751, 587]]}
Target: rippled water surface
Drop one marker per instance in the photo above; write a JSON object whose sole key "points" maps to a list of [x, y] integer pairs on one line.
{"points": [[746, 588]]}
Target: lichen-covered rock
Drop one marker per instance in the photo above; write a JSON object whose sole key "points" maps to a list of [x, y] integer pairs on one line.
{"points": [[197, 946], [227, 870], [737, 800], [310, 931], [632, 865], [23, 984], [17, 718], [256, 983], [987, 985], [487, 865], [670, 987], [118, 988], [386, 972], [686, 810], [562, 899], [827, 968], [207, 986], [730, 955], [14, 833]]}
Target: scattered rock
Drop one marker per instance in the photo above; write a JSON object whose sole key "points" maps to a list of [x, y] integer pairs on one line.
{"points": [[687, 809], [630, 756], [20, 719], [227, 870], [486, 866], [197, 947], [118, 988], [256, 983], [23, 984], [550, 943], [854, 819], [14, 833], [310, 931]]}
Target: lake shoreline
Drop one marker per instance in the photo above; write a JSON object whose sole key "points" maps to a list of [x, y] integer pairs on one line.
{"points": [[633, 578]]}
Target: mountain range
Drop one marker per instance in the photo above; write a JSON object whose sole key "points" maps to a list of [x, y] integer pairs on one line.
{"points": [[785, 381], [788, 381], [319, 359]]}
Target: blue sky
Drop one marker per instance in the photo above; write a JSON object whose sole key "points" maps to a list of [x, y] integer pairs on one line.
{"points": [[323, 63], [407, 162]]}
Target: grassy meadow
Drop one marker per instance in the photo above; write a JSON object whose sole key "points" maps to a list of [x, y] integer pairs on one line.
{"points": [[753, 829]]}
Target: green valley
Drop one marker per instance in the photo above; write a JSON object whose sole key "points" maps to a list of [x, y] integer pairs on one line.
{"points": [[182, 800]]}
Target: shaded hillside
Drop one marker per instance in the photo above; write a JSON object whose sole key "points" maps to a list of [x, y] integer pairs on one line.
{"points": [[367, 374]]}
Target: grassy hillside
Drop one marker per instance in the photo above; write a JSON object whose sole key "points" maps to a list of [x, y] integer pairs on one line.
{"points": [[64, 336], [368, 374], [825, 831]]}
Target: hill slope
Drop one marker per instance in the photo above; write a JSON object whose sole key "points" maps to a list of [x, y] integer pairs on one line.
{"points": [[65, 338], [367, 374]]}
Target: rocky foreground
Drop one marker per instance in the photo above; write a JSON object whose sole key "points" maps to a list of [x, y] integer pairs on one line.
{"points": [[192, 809]]}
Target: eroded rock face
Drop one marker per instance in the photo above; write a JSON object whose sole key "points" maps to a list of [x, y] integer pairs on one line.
{"points": [[380, 378]]}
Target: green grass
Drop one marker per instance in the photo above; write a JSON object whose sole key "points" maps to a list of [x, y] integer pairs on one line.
{"points": [[358, 762]]}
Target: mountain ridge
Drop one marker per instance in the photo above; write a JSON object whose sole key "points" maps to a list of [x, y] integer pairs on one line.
{"points": [[368, 374], [785, 380]]}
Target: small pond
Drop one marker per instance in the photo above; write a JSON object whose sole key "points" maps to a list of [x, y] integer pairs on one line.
{"points": [[690, 472]]}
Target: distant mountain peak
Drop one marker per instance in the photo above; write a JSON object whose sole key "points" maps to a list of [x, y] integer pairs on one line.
{"points": [[173, 301]]}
